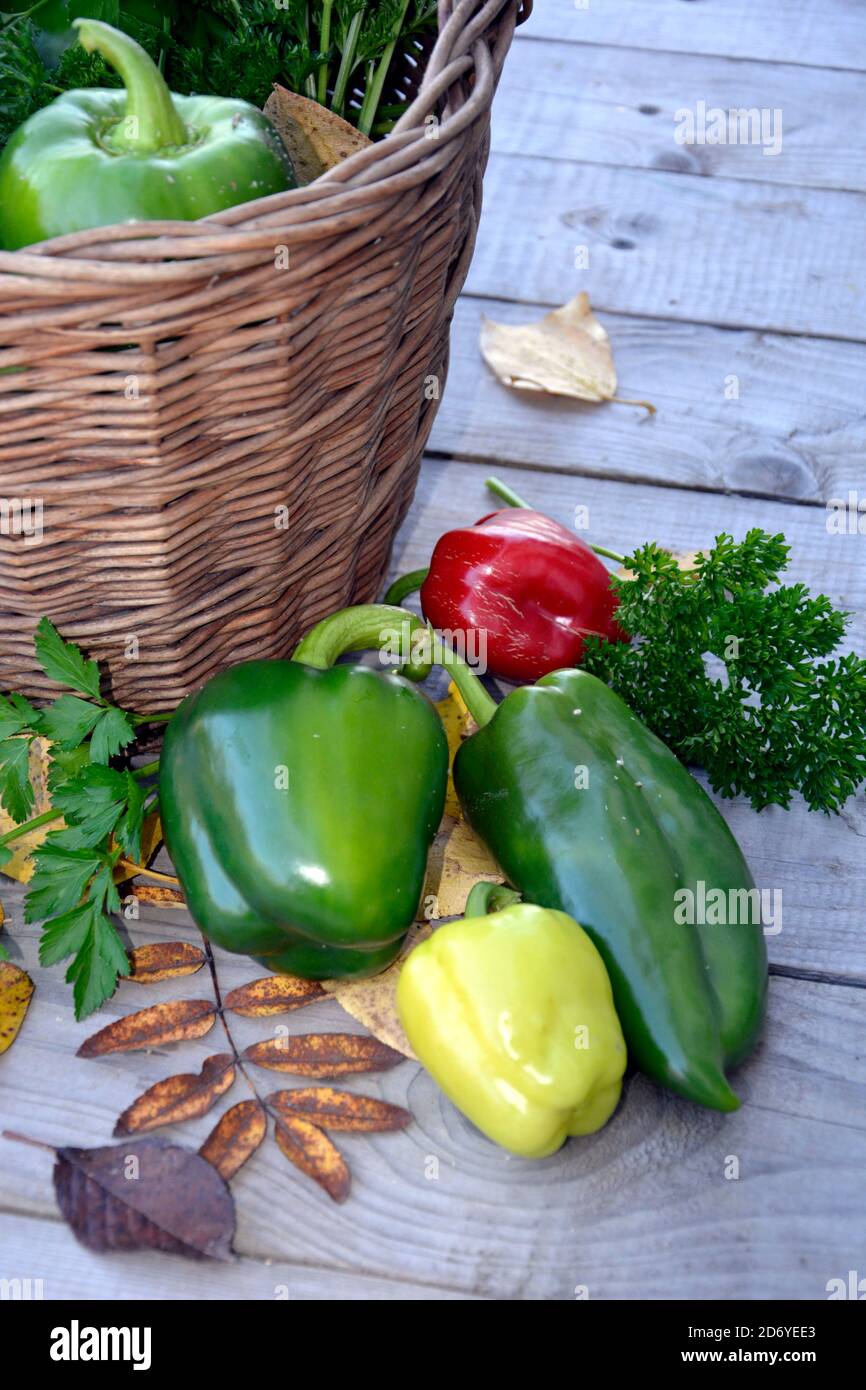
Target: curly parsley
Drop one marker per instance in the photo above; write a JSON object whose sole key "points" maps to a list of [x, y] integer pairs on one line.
{"points": [[734, 671]]}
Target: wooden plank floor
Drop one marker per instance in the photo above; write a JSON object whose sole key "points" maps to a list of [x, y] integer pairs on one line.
{"points": [[704, 263]]}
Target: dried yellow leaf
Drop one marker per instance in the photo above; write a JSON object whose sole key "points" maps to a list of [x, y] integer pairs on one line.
{"points": [[16, 991], [316, 139], [567, 353]]}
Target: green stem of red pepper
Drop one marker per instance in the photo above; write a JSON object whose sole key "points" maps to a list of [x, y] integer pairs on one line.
{"points": [[383, 627], [513, 499], [410, 583]]}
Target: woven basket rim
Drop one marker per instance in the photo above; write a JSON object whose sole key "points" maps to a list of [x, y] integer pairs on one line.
{"points": [[345, 196]]}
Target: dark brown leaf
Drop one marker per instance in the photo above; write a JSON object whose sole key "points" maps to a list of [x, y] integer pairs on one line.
{"points": [[320, 1055], [164, 960], [235, 1138], [145, 1195], [178, 1020], [340, 1110], [273, 994], [179, 1098], [313, 1152]]}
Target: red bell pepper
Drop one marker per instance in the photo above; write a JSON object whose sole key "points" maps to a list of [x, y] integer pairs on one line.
{"points": [[530, 587]]}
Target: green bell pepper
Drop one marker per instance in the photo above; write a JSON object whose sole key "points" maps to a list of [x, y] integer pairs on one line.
{"points": [[588, 812], [97, 157], [512, 1014], [299, 800]]}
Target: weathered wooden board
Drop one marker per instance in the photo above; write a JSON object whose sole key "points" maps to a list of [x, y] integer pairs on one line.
{"points": [[717, 251], [624, 1213], [774, 437], [606, 105], [797, 31], [43, 1246]]}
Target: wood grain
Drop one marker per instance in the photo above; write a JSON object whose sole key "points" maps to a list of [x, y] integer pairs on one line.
{"points": [[779, 437], [608, 105], [625, 1212], [795, 31], [716, 251]]}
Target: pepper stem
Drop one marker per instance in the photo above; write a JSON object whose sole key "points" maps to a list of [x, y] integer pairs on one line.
{"points": [[401, 637], [513, 499], [487, 897], [405, 585], [151, 120]]}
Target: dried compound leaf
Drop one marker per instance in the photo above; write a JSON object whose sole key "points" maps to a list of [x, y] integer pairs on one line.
{"points": [[316, 139], [340, 1110], [179, 1098], [177, 1020], [320, 1055], [235, 1138], [16, 991], [273, 994], [163, 960], [567, 353], [145, 1195], [313, 1152]]}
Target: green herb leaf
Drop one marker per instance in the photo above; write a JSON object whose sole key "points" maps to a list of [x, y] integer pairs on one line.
{"points": [[92, 803], [63, 661], [12, 720], [99, 960], [62, 875], [65, 935], [16, 790], [113, 732], [728, 669], [69, 720], [128, 829]]}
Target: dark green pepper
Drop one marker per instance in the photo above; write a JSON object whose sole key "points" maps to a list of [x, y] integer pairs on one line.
{"points": [[299, 801], [97, 157], [588, 812]]}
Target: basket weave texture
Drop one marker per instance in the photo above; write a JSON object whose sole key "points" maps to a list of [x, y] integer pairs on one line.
{"points": [[223, 421]]}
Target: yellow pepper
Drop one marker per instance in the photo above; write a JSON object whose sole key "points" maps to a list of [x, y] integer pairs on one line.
{"points": [[512, 1014]]}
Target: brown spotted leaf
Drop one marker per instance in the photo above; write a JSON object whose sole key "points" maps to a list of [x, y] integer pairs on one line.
{"points": [[179, 1098], [163, 960], [313, 1152], [273, 994], [177, 1020], [235, 1138], [145, 1195], [16, 991], [340, 1110], [320, 1055], [159, 895]]}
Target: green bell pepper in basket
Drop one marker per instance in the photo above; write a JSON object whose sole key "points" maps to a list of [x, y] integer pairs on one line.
{"points": [[299, 800], [101, 156], [588, 812]]}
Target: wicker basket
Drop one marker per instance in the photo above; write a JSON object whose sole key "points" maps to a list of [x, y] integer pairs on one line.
{"points": [[223, 421]]}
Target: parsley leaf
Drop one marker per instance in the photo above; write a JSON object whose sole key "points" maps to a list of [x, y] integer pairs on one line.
{"points": [[16, 790], [63, 661], [69, 720], [728, 667], [113, 732]]}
